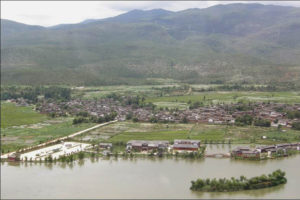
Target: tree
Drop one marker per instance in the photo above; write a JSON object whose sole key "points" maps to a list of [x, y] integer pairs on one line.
{"points": [[184, 120], [135, 119]]}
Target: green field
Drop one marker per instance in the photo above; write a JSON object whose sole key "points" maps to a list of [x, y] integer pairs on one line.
{"points": [[22, 126], [19, 137], [230, 97], [12, 115], [125, 131], [142, 90]]}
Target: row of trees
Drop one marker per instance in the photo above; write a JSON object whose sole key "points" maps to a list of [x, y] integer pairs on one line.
{"points": [[32, 93], [292, 114], [248, 120], [94, 119], [221, 185]]}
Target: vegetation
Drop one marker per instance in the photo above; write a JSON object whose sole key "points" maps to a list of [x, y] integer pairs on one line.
{"points": [[33, 93], [262, 122], [16, 138], [93, 119], [244, 120], [129, 48], [122, 132], [296, 125], [208, 98], [225, 185], [12, 115]]}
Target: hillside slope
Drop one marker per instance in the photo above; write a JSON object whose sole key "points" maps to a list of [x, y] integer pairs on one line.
{"points": [[232, 43]]}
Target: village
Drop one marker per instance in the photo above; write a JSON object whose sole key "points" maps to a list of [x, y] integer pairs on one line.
{"points": [[126, 108]]}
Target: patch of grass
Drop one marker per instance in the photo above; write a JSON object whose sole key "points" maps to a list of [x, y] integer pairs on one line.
{"points": [[12, 115]]}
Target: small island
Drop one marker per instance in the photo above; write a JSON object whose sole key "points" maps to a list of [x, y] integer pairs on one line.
{"points": [[227, 185]]}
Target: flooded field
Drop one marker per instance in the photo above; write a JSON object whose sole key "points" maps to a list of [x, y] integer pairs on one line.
{"points": [[142, 178]]}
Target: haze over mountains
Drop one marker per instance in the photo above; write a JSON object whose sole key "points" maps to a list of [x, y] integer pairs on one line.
{"points": [[233, 43]]}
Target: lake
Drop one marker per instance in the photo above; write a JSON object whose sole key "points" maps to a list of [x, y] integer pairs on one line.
{"points": [[142, 177]]}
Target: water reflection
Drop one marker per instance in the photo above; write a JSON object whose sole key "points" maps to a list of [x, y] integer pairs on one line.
{"points": [[260, 193]]}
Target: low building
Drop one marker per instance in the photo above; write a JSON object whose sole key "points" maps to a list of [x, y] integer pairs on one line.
{"points": [[146, 145], [250, 154], [13, 157], [265, 149], [239, 151], [185, 147], [105, 145], [194, 142]]}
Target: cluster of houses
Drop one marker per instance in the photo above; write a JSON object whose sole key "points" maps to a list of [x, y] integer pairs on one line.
{"points": [[264, 151], [216, 114]]}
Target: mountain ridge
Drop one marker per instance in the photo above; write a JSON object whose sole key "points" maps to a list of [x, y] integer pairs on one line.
{"points": [[230, 43]]}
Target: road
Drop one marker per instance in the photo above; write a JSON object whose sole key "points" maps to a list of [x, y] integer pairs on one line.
{"points": [[61, 138]]}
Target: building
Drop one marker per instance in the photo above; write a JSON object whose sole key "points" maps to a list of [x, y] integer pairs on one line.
{"points": [[105, 145], [250, 154], [14, 157], [186, 145], [195, 142], [146, 145]]}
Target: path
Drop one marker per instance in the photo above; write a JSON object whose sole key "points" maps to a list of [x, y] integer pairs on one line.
{"points": [[61, 138]]}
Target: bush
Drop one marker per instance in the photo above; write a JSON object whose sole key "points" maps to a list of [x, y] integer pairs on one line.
{"points": [[262, 122], [244, 120], [296, 125]]}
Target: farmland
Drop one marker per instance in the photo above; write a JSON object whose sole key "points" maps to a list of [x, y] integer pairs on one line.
{"points": [[22, 127], [122, 132], [231, 97], [12, 115]]}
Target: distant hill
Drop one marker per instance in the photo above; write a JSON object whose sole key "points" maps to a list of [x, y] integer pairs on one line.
{"points": [[235, 43]]}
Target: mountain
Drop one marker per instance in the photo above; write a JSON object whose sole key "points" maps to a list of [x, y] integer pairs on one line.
{"points": [[9, 28], [233, 43]]}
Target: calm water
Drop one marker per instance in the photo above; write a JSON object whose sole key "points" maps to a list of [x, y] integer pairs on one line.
{"points": [[141, 178]]}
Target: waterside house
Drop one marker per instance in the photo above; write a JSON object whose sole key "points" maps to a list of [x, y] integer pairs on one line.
{"points": [[146, 145], [245, 152], [186, 145], [14, 157]]}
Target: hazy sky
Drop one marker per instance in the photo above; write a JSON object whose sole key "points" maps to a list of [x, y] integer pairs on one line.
{"points": [[48, 13]]}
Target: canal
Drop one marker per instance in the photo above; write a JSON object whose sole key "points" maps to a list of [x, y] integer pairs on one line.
{"points": [[142, 178]]}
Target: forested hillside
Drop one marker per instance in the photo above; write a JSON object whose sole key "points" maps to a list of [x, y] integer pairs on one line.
{"points": [[235, 43]]}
